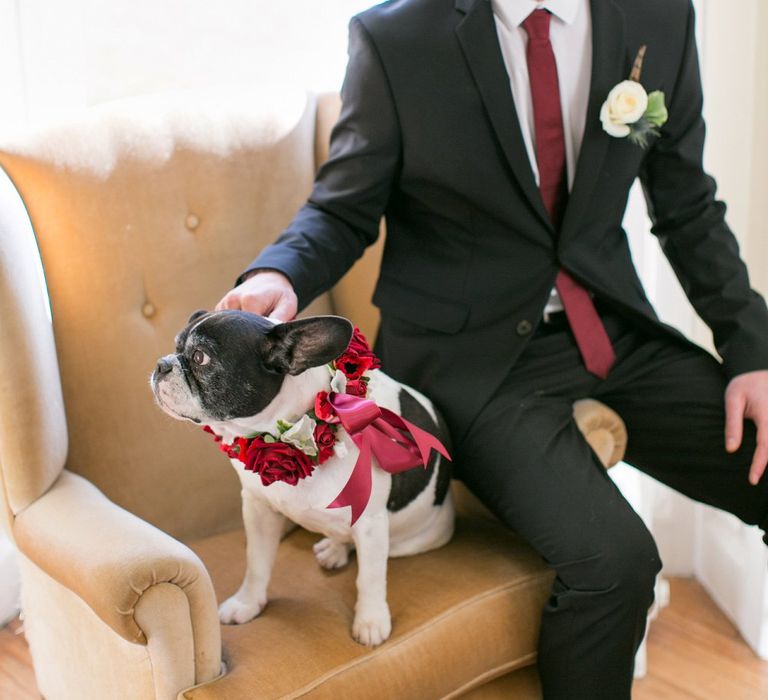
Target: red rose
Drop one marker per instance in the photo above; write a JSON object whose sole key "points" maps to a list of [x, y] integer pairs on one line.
{"points": [[357, 387], [357, 358], [324, 410], [245, 450], [277, 461], [325, 439], [243, 444], [353, 366], [236, 450], [359, 346]]}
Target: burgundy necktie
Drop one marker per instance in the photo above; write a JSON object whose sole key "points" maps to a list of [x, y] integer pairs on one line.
{"points": [[588, 330]]}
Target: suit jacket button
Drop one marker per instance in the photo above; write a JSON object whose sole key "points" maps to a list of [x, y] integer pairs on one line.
{"points": [[524, 327]]}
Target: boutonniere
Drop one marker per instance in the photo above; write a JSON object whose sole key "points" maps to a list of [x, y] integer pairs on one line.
{"points": [[630, 112]]}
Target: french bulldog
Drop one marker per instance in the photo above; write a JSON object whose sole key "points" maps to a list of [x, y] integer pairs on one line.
{"points": [[239, 374]]}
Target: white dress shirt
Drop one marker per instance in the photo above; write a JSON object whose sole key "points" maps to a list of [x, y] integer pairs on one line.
{"points": [[571, 36]]}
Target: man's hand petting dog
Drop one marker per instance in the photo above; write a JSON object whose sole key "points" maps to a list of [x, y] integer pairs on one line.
{"points": [[241, 375], [265, 292]]}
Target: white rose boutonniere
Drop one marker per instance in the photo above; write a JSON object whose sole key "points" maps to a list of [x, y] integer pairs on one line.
{"points": [[630, 112]]}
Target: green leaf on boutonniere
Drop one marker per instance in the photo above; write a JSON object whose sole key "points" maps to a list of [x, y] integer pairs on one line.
{"points": [[268, 438], [283, 425], [656, 113]]}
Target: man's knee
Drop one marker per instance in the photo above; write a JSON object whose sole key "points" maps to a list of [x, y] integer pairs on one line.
{"points": [[637, 567], [624, 567]]}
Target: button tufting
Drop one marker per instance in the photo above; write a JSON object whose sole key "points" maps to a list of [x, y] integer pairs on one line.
{"points": [[192, 222], [148, 310]]}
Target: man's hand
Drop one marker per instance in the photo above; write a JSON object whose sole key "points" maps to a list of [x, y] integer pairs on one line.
{"points": [[746, 396], [264, 292]]}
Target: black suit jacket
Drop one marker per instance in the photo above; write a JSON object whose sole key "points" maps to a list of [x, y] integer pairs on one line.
{"points": [[428, 136]]}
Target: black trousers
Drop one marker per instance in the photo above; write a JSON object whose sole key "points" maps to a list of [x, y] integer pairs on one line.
{"points": [[527, 460]]}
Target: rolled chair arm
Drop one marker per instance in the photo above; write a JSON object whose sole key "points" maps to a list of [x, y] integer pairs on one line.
{"points": [[111, 559], [603, 429]]}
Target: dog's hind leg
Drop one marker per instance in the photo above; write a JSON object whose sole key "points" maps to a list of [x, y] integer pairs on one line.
{"points": [[332, 554], [264, 528]]}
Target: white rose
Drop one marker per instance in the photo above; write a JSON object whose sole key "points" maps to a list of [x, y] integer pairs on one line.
{"points": [[626, 103], [302, 435]]}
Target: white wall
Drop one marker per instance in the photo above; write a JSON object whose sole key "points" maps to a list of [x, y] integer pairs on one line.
{"points": [[756, 245], [67, 54]]}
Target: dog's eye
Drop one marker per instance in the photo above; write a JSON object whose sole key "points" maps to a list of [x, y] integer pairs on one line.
{"points": [[200, 358]]}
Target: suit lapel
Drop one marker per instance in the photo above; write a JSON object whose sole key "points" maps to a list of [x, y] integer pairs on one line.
{"points": [[479, 42], [610, 65]]}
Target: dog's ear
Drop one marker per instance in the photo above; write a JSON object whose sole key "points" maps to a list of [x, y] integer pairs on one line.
{"points": [[296, 346], [196, 314]]}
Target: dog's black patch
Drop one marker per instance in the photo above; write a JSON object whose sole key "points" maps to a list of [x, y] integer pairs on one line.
{"points": [[407, 485]]}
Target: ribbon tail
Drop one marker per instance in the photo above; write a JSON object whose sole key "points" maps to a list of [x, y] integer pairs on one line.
{"points": [[357, 490], [425, 442]]}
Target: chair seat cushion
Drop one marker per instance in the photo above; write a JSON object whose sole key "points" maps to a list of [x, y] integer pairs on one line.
{"points": [[462, 615]]}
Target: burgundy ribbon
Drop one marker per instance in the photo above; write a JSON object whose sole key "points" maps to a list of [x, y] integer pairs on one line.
{"points": [[396, 444]]}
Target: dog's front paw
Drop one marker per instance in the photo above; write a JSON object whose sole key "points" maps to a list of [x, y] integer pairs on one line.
{"points": [[237, 610], [372, 627], [331, 554]]}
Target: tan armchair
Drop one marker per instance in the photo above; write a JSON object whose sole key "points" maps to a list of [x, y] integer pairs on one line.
{"points": [[128, 522]]}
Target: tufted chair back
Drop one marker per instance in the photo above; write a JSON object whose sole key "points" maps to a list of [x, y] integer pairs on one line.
{"points": [[182, 192]]}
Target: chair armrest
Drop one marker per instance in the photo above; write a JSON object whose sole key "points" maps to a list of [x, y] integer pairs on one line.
{"points": [[603, 429], [110, 559]]}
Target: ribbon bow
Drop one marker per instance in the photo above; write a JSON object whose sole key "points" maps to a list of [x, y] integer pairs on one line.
{"points": [[396, 443]]}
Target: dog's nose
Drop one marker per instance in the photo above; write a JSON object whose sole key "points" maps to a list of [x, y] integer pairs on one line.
{"points": [[164, 366]]}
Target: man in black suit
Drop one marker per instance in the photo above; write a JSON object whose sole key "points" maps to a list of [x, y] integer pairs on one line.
{"points": [[493, 201]]}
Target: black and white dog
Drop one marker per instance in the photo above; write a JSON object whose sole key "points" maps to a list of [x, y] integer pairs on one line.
{"points": [[240, 374]]}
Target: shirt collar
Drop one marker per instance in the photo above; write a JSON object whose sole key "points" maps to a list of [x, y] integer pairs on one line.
{"points": [[513, 12]]}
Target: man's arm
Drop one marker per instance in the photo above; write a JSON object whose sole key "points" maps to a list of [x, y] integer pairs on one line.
{"points": [[690, 225], [351, 191]]}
